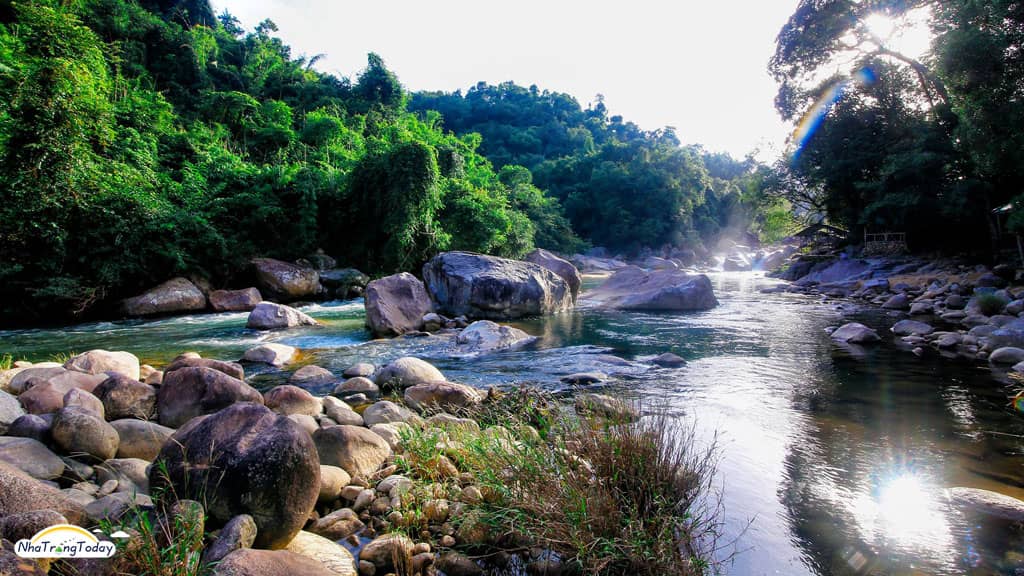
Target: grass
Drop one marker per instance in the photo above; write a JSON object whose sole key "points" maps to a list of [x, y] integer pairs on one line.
{"points": [[990, 304], [607, 499], [6, 361]]}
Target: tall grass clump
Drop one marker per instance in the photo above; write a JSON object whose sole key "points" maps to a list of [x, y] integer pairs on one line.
{"points": [[989, 304]]}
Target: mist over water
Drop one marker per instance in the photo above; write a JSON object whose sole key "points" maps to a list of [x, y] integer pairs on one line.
{"points": [[833, 460]]}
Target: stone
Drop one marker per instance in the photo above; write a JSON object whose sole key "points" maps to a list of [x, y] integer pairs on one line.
{"points": [[450, 423], [306, 422], [329, 554], [432, 322], [175, 296], [100, 361], [363, 369], [285, 281], [855, 333], [271, 316], [634, 288], [897, 302], [563, 268], [488, 287], [81, 399], [311, 376], [391, 432], [235, 300], [42, 397], [244, 460], [340, 412], [131, 474], [25, 525], [10, 410], [1010, 334], [233, 369], [250, 562], [18, 381], [912, 327], [407, 371], [668, 360], [140, 438], [988, 503], [383, 549], [31, 426], [287, 399], [445, 395], [194, 391], [239, 533], [32, 457], [332, 480], [123, 397], [1006, 355], [356, 385], [343, 278], [457, 564], [21, 493], [384, 412], [82, 434], [921, 308], [396, 305], [338, 525], [13, 565], [485, 336], [606, 407], [356, 450], [271, 353]]}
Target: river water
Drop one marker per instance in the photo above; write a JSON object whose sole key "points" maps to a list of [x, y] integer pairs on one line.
{"points": [[833, 460]]}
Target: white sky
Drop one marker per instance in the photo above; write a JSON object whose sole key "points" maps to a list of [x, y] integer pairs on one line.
{"points": [[696, 65]]}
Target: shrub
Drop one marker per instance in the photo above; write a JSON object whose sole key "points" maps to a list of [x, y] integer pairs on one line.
{"points": [[989, 304]]}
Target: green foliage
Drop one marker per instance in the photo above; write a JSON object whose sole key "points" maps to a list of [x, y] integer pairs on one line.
{"points": [[990, 304]]}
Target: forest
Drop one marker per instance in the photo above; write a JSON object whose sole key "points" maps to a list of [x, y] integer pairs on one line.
{"points": [[145, 139]]}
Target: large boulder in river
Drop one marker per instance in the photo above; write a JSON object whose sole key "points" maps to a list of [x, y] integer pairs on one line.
{"points": [[855, 333], [100, 361], [486, 336], [235, 300], [271, 316], [396, 304], [559, 266], [478, 286], [286, 281], [244, 460], [194, 391], [174, 296], [407, 371], [912, 328], [634, 288]]}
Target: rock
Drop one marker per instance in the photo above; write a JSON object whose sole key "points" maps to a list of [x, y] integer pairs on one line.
{"points": [[13, 565], [174, 296], [432, 322], [456, 564], [311, 376], [249, 562], [31, 457], [486, 336], [123, 397], [244, 460], [488, 287], [584, 378], [1006, 355], [897, 302], [306, 422], [239, 533], [131, 474], [82, 399], [42, 397], [855, 333], [605, 406], [384, 549], [633, 288], [955, 302], [285, 281], [563, 268], [1010, 334], [25, 525], [271, 316], [235, 300], [287, 399], [989, 503], [360, 369], [407, 371], [18, 381], [446, 395], [233, 369], [449, 422], [10, 410], [356, 385], [990, 281], [21, 493], [332, 480], [920, 308], [81, 433], [273, 354], [668, 360], [340, 412], [356, 450], [140, 439], [329, 554], [391, 432], [31, 426], [912, 327], [395, 305], [337, 525], [194, 391], [100, 361], [384, 412], [343, 278]]}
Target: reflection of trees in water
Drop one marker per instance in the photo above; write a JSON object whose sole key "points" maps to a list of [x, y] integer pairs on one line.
{"points": [[880, 419]]}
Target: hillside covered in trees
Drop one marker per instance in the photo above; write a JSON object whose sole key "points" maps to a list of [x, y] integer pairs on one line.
{"points": [[145, 139]]}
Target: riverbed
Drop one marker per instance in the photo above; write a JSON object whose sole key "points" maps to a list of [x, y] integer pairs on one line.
{"points": [[832, 460]]}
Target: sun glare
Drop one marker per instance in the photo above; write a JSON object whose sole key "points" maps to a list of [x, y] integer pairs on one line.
{"points": [[880, 26], [909, 35], [906, 513]]}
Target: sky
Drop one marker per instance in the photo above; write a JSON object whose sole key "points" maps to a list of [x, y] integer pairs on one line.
{"points": [[697, 66]]}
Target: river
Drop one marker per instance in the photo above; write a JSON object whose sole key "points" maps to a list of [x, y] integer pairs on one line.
{"points": [[833, 461]]}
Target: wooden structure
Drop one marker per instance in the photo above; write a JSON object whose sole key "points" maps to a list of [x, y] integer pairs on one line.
{"points": [[885, 243], [822, 234]]}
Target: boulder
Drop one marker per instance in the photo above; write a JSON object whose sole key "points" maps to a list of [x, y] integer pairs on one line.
{"points": [[391, 432], [238, 534], [855, 333], [123, 397], [407, 371], [233, 369], [13, 565], [338, 525], [332, 480], [273, 354], [25, 525], [271, 316], [31, 426], [140, 439], [131, 474], [328, 553], [606, 407], [340, 412], [10, 410], [485, 336], [337, 278], [396, 304], [311, 376], [354, 449], [363, 369], [1006, 355], [565, 270], [897, 302], [81, 433], [285, 281], [235, 300], [100, 361], [82, 399], [912, 328], [385, 412], [383, 550], [112, 507], [356, 385], [488, 287], [20, 378], [194, 391], [1010, 334], [174, 296], [633, 288], [31, 457], [668, 360], [249, 562], [244, 460], [584, 378], [42, 397], [988, 503], [287, 399], [446, 395], [21, 493]]}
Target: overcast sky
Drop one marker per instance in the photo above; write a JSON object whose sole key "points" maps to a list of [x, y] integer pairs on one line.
{"points": [[697, 66]]}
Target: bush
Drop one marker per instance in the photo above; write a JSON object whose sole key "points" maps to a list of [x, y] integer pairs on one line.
{"points": [[989, 304]]}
